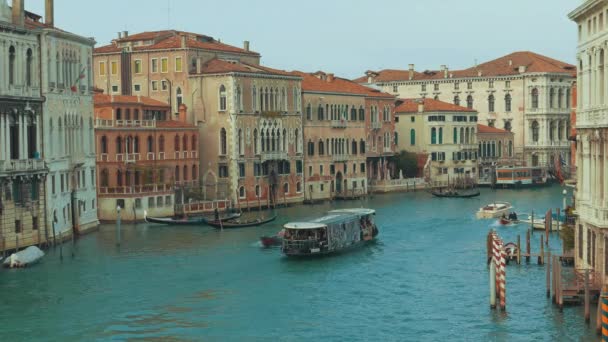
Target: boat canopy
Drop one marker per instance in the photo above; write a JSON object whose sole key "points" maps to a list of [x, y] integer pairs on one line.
{"points": [[354, 211], [322, 222]]}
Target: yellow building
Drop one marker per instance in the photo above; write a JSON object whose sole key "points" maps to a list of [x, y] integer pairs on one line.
{"points": [[443, 131]]}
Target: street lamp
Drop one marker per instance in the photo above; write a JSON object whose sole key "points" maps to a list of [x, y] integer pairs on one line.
{"points": [[565, 192]]}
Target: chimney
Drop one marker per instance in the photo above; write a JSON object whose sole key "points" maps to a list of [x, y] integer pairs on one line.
{"points": [[411, 69], [510, 62], [18, 13], [421, 107], [119, 35], [183, 37], [479, 73], [125, 34], [182, 112], [246, 45], [199, 65], [444, 68], [330, 77], [49, 12]]}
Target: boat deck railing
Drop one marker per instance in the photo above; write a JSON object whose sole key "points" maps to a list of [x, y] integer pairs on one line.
{"points": [[302, 245]]}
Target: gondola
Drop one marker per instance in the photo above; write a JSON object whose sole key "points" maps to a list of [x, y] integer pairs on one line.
{"points": [[240, 224], [456, 193], [188, 221]]}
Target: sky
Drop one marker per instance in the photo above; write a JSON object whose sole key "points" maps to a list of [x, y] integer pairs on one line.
{"points": [[346, 37]]}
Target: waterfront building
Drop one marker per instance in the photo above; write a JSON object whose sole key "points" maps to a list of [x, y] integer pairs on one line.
{"points": [[22, 169], [496, 148], [144, 156], [381, 137], [250, 117], [68, 135], [336, 135], [591, 235], [523, 92], [443, 131]]}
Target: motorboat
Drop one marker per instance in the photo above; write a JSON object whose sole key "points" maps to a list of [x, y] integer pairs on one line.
{"points": [[509, 220], [494, 210], [272, 241], [24, 258]]}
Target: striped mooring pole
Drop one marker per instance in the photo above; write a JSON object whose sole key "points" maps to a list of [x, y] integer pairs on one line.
{"points": [[604, 312]]}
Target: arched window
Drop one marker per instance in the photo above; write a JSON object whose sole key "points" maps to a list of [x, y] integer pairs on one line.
{"points": [[321, 148], [286, 188], [308, 112], [508, 126], [440, 135], [552, 98], [467, 136], [223, 147], [568, 98], [491, 103], [413, 137], [28, 68], [455, 133], [535, 131], [178, 97], [396, 141], [119, 145], [560, 130], [194, 172], [254, 98], [136, 144], [104, 144], [362, 146], [136, 114], [560, 98], [457, 100], [118, 114], [176, 143], [242, 192], [320, 114], [535, 99], [296, 141], [119, 178], [185, 173], [499, 148], [11, 65], [193, 145], [223, 104], [353, 114], [255, 141], [510, 148], [353, 147], [508, 103], [150, 144], [239, 98], [128, 114], [433, 136], [185, 143], [311, 148], [470, 102], [161, 144], [104, 178], [240, 141], [176, 173], [285, 149], [462, 135], [361, 113]]}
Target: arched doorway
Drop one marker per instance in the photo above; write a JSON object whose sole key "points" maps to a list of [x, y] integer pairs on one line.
{"points": [[339, 180]]}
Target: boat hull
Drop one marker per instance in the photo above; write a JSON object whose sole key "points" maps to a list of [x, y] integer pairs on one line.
{"points": [[194, 221], [271, 241], [457, 195], [322, 253], [231, 225]]}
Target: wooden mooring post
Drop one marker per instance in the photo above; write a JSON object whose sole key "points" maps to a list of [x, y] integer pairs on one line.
{"points": [[518, 249], [587, 311], [528, 246], [548, 276], [541, 255], [554, 281]]}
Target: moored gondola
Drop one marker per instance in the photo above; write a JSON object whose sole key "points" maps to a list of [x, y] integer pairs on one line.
{"points": [[456, 193], [240, 224], [189, 221]]}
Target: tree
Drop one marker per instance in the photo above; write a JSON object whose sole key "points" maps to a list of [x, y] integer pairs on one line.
{"points": [[407, 162]]}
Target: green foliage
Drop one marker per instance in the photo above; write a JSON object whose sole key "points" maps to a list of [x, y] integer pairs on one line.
{"points": [[408, 163]]}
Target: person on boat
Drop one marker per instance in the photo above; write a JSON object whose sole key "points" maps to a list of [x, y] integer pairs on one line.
{"points": [[504, 216], [216, 214]]}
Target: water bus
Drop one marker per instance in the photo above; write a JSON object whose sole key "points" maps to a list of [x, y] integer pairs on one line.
{"points": [[520, 176], [338, 230]]}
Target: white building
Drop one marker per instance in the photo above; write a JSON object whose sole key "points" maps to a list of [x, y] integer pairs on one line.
{"points": [[69, 137], [591, 234], [523, 92], [22, 171]]}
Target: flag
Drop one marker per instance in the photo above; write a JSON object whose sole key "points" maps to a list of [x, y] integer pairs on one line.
{"points": [[81, 75], [562, 160]]}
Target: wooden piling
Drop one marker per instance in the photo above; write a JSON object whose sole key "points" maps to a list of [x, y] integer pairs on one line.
{"points": [[587, 311], [489, 243], [528, 246], [557, 211], [554, 282], [518, 249], [548, 276], [560, 297], [532, 222], [541, 256]]}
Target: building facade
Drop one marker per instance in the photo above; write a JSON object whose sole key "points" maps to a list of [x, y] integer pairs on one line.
{"points": [[445, 132], [142, 157], [335, 136], [250, 118], [496, 148], [591, 233], [22, 170], [523, 92]]}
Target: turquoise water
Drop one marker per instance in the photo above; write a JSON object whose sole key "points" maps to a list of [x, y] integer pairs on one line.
{"points": [[425, 279]]}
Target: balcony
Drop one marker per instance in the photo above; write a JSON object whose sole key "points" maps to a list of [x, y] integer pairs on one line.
{"points": [[103, 123], [595, 215], [376, 125], [592, 118], [388, 151], [550, 144], [136, 189], [338, 123], [131, 157], [273, 155], [24, 165], [340, 157]]}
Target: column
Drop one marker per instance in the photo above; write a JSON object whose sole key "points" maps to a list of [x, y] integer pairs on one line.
{"points": [[586, 168]]}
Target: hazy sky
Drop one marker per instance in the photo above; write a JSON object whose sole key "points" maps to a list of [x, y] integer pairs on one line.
{"points": [[340, 36]]}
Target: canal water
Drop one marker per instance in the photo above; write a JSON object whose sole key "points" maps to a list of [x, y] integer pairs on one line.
{"points": [[425, 279]]}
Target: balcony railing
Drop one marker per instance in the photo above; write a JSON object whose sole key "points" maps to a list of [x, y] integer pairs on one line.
{"points": [[273, 155], [136, 189], [591, 118], [23, 165], [560, 144], [596, 215], [340, 157], [131, 157], [338, 123], [376, 125], [109, 123]]}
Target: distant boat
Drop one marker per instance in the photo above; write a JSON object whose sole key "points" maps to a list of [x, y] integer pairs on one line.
{"points": [[456, 193], [494, 210], [338, 230], [240, 224], [188, 221]]}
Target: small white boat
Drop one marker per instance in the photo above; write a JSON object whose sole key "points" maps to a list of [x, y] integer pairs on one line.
{"points": [[539, 223], [494, 210], [24, 258]]}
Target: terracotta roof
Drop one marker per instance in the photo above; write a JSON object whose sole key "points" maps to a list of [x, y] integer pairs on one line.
{"points": [[171, 39], [488, 129], [218, 66], [322, 82], [502, 66], [430, 105], [99, 99]]}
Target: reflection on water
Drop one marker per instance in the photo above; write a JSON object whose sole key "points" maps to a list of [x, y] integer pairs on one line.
{"points": [[424, 279]]}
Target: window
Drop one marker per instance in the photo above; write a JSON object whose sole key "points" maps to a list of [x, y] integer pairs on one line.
{"points": [[311, 148], [490, 84], [423, 87], [223, 147], [104, 144], [308, 112], [457, 100], [164, 85], [456, 86], [470, 102], [161, 144], [440, 135], [223, 103], [361, 113], [491, 103], [469, 85], [535, 98], [560, 98], [320, 113], [114, 68], [455, 135], [102, 69], [28, 68], [413, 119], [507, 84], [137, 66], [433, 136], [436, 86], [154, 65], [151, 202], [164, 65], [241, 170], [178, 64], [286, 188], [137, 88], [508, 103], [299, 167], [115, 89], [11, 65], [395, 89], [412, 137], [535, 131], [552, 98], [154, 85], [242, 192]]}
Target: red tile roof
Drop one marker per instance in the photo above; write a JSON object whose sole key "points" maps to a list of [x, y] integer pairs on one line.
{"points": [[502, 66], [430, 105], [101, 99], [488, 129], [218, 66], [322, 82], [170, 39]]}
